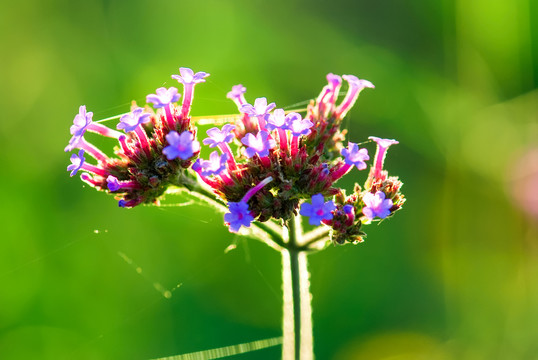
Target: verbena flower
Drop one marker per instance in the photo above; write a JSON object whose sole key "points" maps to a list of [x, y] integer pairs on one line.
{"points": [[217, 136], [259, 144], [129, 122], [163, 97], [215, 165], [318, 210], [181, 146], [376, 205]]}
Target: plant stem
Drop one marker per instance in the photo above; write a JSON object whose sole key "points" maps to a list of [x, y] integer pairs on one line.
{"points": [[297, 322]]}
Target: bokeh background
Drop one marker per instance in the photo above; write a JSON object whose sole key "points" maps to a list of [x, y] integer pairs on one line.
{"points": [[452, 276]]}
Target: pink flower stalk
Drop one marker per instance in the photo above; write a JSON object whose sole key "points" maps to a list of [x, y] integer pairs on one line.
{"points": [[355, 87], [382, 147], [163, 98], [188, 78], [133, 122]]}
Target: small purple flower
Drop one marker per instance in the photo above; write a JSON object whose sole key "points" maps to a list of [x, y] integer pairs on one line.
{"points": [[353, 156], [217, 136], [259, 144], [80, 124], [215, 165], [358, 83], [238, 216], [319, 209], [260, 108], [277, 120], [163, 97], [189, 77], [383, 143], [237, 91], [376, 205], [181, 146], [129, 122], [298, 125], [348, 209], [334, 80], [112, 183], [77, 161], [81, 121]]}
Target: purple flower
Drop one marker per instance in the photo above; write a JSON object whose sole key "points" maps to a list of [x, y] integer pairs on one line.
{"points": [[277, 120], [217, 136], [81, 121], [77, 161], [260, 108], [163, 97], [238, 216], [297, 125], [129, 122], [215, 165], [80, 124], [259, 144], [348, 209], [353, 156], [376, 205], [355, 82], [237, 91], [334, 80], [319, 209], [112, 183], [383, 143], [189, 77], [181, 146]]}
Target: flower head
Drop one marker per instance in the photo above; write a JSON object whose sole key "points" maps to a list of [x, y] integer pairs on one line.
{"points": [[163, 97], [181, 146], [355, 156], [129, 122], [217, 136], [77, 161], [319, 209], [260, 108], [214, 166], [258, 144], [189, 77], [298, 125], [238, 216], [376, 205]]}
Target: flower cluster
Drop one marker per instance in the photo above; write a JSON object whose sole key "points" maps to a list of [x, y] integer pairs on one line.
{"points": [[270, 164], [155, 147]]}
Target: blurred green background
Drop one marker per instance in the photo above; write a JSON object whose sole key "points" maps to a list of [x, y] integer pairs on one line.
{"points": [[452, 276]]}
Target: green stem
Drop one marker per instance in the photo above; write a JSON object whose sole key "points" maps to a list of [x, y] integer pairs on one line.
{"points": [[297, 322]]}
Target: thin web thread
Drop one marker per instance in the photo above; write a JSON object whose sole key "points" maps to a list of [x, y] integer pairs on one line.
{"points": [[226, 351]]}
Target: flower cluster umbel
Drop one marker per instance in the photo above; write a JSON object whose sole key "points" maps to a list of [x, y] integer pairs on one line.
{"points": [[269, 164]]}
